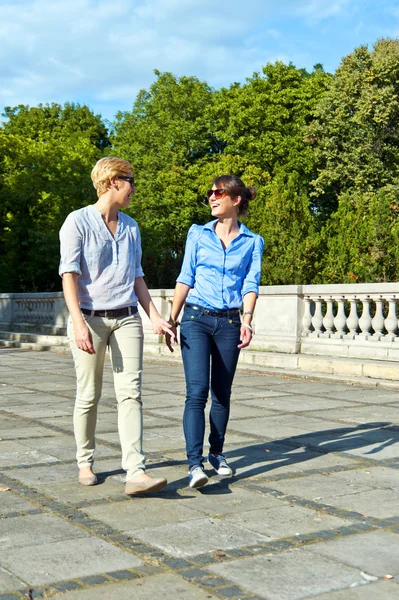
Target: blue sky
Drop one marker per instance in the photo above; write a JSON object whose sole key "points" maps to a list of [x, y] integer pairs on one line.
{"points": [[102, 52]]}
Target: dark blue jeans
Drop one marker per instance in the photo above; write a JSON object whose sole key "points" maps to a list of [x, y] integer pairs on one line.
{"points": [[210, 355]]}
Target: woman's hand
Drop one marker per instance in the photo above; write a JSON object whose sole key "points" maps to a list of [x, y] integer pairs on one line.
{"points": [[162, 327], [168, 338], [83, 338], [245, 336]]}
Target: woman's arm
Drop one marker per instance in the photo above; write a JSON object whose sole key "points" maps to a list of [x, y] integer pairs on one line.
{"points": [[159, 325], [83, 337], [179, 298], [250, 291], [246, 332]]}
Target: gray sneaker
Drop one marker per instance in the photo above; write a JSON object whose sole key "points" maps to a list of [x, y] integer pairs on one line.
{"points": [[196, 477]]}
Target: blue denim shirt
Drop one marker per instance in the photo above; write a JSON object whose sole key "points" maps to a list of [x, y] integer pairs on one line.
{"points": [[220, 277], [107, 265]]}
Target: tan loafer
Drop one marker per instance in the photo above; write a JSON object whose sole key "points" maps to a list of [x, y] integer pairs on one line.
{"points": [[91, 480], [144, 487]]}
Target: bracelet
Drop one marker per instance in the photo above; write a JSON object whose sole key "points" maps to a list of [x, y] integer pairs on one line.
{"points": [[246, 325], [173, 322]]}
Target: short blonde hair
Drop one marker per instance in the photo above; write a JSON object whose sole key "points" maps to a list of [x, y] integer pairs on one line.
{"points": [[105, 169]]}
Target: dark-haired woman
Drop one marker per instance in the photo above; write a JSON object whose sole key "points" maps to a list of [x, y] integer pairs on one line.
{"points": [[221, 267]]}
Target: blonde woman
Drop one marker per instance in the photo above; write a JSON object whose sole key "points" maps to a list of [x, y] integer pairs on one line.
{"points": [[103, 281]]}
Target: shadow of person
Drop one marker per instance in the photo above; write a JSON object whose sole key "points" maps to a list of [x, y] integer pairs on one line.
{"points": [[265, 457], [270, 456]]}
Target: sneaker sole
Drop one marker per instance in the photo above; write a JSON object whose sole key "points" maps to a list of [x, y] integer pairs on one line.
{"points": [[199, 483], [229, 474]]}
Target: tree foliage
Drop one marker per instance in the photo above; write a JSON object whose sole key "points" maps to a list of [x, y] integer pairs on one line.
{"points": [[42, 179], [321, 149]]}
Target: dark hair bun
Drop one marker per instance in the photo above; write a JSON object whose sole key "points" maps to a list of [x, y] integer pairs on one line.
{"points": [[251, 193]]}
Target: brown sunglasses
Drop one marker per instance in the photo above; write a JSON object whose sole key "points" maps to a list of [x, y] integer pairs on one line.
{"points": [[217, 193]]}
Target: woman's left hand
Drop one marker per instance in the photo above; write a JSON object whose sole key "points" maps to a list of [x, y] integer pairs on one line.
{"points": [[160, 326], [245, 336]]}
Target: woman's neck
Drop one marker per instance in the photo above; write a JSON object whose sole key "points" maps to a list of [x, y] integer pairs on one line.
{"points": [[108, 210], [227, 225]]}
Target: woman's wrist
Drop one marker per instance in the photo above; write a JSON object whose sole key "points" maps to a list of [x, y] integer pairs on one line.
{"points": [[173, 322], [247, 316]]}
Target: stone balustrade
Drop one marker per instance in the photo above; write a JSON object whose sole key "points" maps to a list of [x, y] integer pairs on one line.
{"points": [[351, 321]]}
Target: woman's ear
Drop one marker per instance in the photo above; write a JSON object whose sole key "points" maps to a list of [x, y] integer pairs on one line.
{"points": [[237, 201]]}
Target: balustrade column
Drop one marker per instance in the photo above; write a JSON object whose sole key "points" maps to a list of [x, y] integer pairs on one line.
{"points": [[391, 322], [352, 321], [378, 320], [365, 319], [328, 320], [307, 317], [317, 319], [340, 318]]}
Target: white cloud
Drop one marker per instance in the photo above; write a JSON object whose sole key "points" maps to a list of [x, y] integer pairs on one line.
{"points": [[102, 53], [320, 9]]}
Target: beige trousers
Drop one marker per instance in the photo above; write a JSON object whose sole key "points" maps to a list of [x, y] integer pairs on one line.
{"points": [[124, 337]]}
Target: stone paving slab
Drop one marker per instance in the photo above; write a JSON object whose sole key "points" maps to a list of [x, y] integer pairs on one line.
{"points": [[142, 513], [34, 530], [302, 403], [292, 575], [16, 453], [382, 590], [359, 551], [9, 582], [355, 414], [153, 587], [66, 559], [197, 537], [286, 520], [63, 447], [311, 511], [11, 503]]}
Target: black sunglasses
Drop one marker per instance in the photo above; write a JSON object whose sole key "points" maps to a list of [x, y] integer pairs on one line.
{"points": [[217, 193], [126, 178]]}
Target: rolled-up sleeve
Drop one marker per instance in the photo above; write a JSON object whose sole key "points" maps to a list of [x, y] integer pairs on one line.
{"points": [[138, 268], [252, 278], [187, 273], [71, 247]]}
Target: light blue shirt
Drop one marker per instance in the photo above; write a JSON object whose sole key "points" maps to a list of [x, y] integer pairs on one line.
{"points": [[107, 265], [221, 277]]}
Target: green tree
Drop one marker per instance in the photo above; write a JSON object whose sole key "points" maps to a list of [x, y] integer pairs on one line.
{"points": [[40, 183], [360, 240], [283, 217], [166, 138], [355, 132], [264, 120], [53, 121]]}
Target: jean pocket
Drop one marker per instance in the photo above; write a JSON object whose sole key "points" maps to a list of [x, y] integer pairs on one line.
{"points": [[191, 314], [235, 322]]}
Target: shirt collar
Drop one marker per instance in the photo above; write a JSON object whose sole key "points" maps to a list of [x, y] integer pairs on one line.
{"points": [[243, 229]]}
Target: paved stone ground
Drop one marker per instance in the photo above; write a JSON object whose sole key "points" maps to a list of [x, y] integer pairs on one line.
{"points": [[312, 511]]}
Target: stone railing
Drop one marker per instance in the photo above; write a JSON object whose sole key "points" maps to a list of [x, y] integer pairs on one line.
{"points": [[358, 320], [47, 309]]}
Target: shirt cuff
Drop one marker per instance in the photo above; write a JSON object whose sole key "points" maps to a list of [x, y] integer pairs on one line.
{"points": [[71, 268], [250, 288], [186, 280]]}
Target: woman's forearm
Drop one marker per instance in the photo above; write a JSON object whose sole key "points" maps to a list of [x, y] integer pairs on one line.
{"points": [[249, 307], [70, 288], [179, 297], [142, 293]]}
